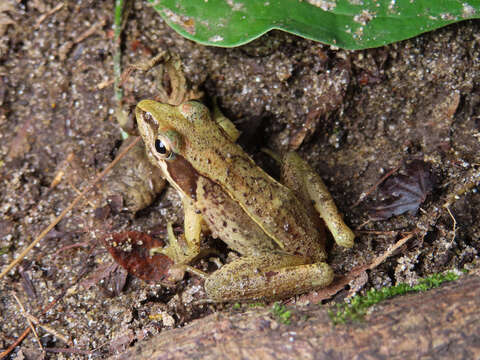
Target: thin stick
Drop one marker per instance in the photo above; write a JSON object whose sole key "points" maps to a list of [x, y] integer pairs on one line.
{"points": [[362, 225], [363, 195], [33, 320], [24, 313], [28, 329], [69, 351], [89, 32], [391, 249], [65, 49], [340, 283], [451, 198], [376, 232], [59, 175], [48, 329], [79, 193], [48, 13], [16, 343], [68, 208], [43, 312], [454, 223]]}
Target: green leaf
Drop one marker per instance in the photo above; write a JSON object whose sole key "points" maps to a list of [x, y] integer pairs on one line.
{"points": [[349, 24]]}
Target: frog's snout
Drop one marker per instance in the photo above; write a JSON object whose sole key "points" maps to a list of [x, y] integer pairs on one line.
{"points": [[145, 116]]}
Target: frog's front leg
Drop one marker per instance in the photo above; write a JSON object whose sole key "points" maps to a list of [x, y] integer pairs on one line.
{"points": [[184, 249], [298, 174], [266, 276]]}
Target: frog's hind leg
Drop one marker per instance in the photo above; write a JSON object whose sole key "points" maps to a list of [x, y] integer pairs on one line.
{"points": [[268, 276], [299, 175]]}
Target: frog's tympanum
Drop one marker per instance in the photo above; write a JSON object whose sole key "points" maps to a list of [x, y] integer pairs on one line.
{"points": [[273, 225]]}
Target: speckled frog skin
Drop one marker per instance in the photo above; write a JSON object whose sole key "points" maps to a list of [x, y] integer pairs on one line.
{"points": [[274, 226]]}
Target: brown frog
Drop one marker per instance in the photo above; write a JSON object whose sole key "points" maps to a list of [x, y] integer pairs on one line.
{"points": [[273, 225]]}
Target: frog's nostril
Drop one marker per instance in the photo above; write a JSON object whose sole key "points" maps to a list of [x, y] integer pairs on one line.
{"points": [[148, 118]]}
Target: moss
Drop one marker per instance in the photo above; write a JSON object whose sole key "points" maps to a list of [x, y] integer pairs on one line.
{"points": [[239, 306], [281, 313], [358, 306], [256, 304]]}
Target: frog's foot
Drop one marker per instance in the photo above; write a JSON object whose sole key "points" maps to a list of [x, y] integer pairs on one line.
{"points": [[178, 89], [176, 249], [269, 276]]}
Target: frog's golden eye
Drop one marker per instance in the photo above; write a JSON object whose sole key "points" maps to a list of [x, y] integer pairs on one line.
{"points": [[168, 143], [164, 149], [160, 147]]}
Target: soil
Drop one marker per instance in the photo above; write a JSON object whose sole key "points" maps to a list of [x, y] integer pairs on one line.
{"points": [[353, 115]]}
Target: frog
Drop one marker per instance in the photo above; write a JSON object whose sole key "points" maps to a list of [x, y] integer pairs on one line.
{"points": [[276, 226]]}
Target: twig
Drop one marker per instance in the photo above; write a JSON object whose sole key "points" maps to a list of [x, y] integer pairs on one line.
{"points": [[66, 47], [454, 223], [47, 14], [90, 31], [79, 193], [340, 283], [24, 313], [43, 312], [71, 246], [59, 175], [48, 329], [105, 84], [16, 343], [33, 320], [391, 249], [362, 225], [69, 351], [27, 330], [451, 198], [69, 208], [376, 232], [363, 195]]}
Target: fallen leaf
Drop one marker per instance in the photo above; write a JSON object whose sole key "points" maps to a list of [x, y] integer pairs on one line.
{"points": [[131, 249], [114, 277], [403, 193]]}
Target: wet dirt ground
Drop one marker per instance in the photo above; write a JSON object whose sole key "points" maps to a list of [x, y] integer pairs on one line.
{"points": [[353, 115]]}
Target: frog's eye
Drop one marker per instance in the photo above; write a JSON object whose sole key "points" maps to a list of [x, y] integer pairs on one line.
{"points": [[168, 143], [160, 147], [164, 149]]}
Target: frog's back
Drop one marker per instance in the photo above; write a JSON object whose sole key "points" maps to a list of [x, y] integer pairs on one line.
{"points": [[273, 206]]}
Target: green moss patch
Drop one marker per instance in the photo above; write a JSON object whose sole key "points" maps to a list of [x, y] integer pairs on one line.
{"points": [[358, 305]]}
